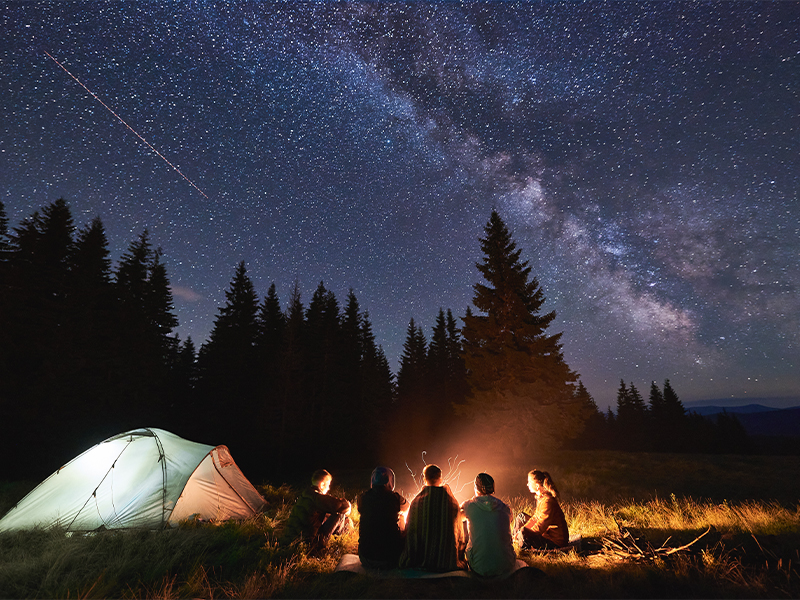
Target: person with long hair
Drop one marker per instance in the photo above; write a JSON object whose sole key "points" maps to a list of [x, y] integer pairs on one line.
{"points": [[547, 528]]}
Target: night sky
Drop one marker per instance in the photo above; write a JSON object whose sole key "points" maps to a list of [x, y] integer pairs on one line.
{"points": [[645, 156]]}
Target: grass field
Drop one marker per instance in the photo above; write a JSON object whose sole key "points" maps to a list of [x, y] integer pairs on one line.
{"points": [[614, 500]]}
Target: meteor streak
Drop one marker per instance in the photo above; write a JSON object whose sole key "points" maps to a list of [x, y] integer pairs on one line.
{"points": [[144, 141]]}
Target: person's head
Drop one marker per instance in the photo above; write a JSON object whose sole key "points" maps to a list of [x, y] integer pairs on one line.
{"points": [[540, 482], [322, 480], [484, 484], [382, 476], [432, 475]]}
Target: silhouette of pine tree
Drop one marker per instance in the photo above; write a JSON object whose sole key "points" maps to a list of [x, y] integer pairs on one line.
{"points": [[227, 370], [521, 387]]}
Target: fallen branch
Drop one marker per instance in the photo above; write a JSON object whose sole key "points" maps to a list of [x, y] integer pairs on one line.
{"points": [[686, 547], [626, 546]]}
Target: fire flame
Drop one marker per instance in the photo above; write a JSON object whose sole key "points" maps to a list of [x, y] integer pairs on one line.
{"points": [[452, 478]]}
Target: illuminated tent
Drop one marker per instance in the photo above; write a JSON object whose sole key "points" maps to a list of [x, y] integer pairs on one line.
{"points": [[145, 478]]}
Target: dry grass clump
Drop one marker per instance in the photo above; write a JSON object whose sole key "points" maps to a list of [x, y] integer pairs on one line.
{"points": [[685, 514]]}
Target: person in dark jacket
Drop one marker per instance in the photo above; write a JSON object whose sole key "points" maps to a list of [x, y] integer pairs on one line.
{"points": [[316, 515], [381, 531], [547, 528], [432, 534]]}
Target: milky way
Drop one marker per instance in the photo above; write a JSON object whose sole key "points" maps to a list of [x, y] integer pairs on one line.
{"points": [[644, 155]]}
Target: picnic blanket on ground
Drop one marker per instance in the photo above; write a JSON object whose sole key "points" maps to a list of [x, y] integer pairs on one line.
{"points": [[352, 564]]}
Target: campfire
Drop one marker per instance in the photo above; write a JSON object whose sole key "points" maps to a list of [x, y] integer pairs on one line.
{"points": [[451, 478]]}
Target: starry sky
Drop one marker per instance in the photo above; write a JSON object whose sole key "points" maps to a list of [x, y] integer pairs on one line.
{"points": [[645, 156]]}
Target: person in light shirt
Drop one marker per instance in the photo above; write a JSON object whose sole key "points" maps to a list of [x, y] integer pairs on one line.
{"points": [[490, 551]]}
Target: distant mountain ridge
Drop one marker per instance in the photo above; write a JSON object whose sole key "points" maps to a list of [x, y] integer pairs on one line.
{"points": [[747, 409], [758, 419]]}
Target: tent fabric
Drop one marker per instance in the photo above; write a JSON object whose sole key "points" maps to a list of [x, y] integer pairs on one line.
{"points": [[145, 478]]}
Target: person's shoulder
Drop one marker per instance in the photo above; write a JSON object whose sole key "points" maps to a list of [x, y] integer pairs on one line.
{"points": [[502, 505], [309, 492], [422, 496], [549, 500]]}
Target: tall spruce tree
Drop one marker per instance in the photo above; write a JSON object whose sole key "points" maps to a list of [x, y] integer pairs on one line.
{"points": [[631, 421], [182, 415], [159, 308], [673, 407], [134, 331], [457, 387], [438, 358], [412, 375], [413, 415], [595, 434], [271, 324], [353, 409], [226, 365], [446, 378], [292, 448], [92, 302], [146, 321], [522, 390], [377, 385], [326, 410], [38, 390], [674, 422]]}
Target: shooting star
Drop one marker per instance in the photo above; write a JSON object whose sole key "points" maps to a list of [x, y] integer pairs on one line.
{"points": [[120, 119]]}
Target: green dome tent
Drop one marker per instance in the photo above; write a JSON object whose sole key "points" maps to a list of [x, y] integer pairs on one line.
{"points": [[145, 478]]}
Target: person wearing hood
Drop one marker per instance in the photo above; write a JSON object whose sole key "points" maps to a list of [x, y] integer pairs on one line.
{"points": [[490, 550], [381, 532]]}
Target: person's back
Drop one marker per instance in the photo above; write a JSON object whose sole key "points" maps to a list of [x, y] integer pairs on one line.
{"points": [[431, 537], [490, 551], [381, 539]]}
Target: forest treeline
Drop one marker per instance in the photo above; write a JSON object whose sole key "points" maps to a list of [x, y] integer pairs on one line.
{"points": [[88, 350], [662, 424]]}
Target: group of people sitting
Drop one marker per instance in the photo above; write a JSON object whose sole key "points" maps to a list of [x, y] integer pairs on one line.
{"points": [[432, 532]]}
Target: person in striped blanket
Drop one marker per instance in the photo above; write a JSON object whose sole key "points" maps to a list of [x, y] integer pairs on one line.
{"points": [[432, 532]]}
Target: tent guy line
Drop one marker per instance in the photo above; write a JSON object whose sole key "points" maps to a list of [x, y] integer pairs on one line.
{"points": [[121, 120], [94, 492]]}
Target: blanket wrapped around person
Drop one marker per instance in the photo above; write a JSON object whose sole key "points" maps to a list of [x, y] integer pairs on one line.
{"points": [[432, 535]]}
